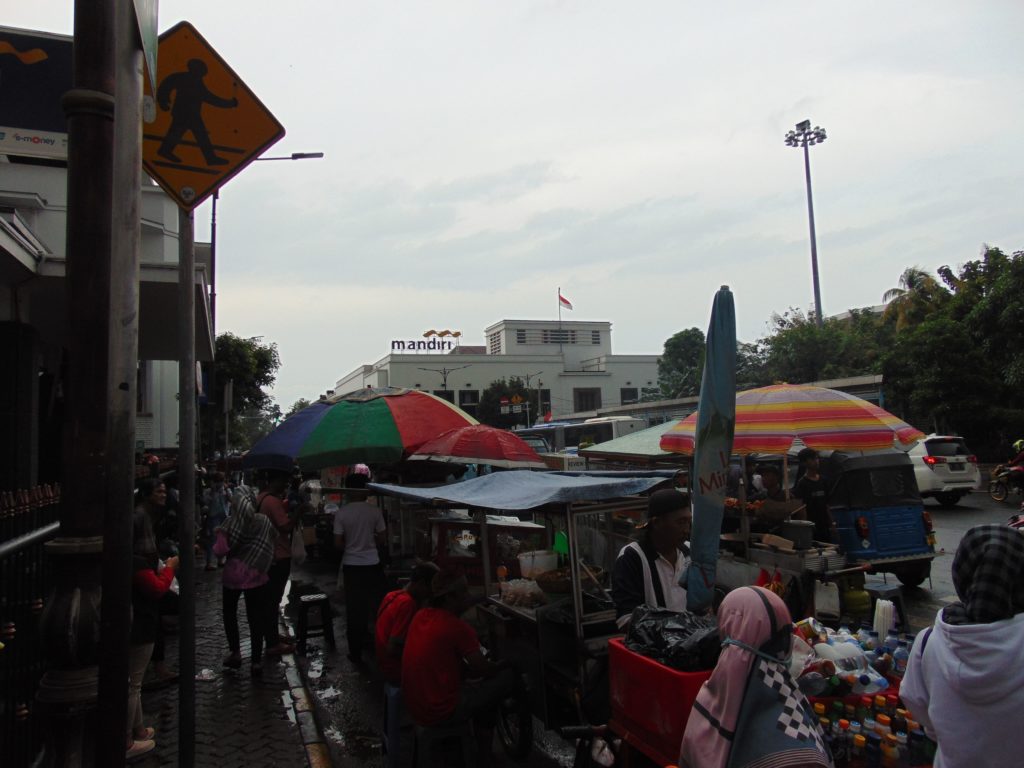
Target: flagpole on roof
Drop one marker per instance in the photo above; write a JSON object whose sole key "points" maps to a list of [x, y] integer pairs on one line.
{"points": [[558, 301]]}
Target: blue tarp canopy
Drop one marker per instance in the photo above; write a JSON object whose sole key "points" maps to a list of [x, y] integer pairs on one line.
{"points": [[523, 489]]}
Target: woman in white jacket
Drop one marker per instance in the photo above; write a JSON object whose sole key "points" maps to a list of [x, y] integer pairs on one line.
{"points": [[965, 679]]}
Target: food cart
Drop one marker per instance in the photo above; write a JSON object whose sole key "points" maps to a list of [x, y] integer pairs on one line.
{"points": [[556, 625]]}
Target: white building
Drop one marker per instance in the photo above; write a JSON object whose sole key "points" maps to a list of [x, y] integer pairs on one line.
{"points": [[570, 363], [33, 316]]}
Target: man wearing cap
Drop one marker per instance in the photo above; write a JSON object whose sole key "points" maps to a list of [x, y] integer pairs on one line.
{"points": [[438, 648], [647, 571]]}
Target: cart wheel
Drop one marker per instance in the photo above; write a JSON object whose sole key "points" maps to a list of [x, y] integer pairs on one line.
{"points": [[914, 576], [515, 727]]}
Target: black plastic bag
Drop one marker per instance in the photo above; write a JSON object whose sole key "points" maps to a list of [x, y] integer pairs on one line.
{"points": [[685, 641]]}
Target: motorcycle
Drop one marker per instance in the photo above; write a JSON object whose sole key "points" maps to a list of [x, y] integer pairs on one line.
{"points": [[1005, 480]]}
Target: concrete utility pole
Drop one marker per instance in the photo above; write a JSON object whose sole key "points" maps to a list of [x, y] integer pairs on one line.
{"points": [[87, 653]]}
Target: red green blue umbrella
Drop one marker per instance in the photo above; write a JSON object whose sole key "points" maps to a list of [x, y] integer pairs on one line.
{"points": [[770, 419], [373, 426]]}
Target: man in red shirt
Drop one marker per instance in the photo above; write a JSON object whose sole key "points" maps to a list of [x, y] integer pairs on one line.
{"points": [[393, 618], [440, 650], [396, 612]]}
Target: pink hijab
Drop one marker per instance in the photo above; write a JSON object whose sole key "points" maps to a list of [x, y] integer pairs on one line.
{"points": [[742, 616]]}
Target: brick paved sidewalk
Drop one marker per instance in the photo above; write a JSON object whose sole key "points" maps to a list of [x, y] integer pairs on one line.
{"points": [[240, 721]]}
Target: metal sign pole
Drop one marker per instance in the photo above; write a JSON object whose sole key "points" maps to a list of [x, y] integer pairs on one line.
{"points": [[186, 490]]}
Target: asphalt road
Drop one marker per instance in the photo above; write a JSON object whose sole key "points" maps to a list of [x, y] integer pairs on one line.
{"points": [[951, 523]]}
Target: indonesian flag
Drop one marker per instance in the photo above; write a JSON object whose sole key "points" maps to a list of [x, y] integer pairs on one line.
{"points": [[564, 301]]}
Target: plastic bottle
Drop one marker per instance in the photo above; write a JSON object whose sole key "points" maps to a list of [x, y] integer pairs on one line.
{"points": [[819, 709], [916, 745], [863, 707], [904, 747], [883, 724], [891, 640], [890, 752], [892, 703], [814, 684], [868, 726], [841, 743], [873, 750], [837, 712], [826, 732], [857, 752], [899, 658], [873, 641]]}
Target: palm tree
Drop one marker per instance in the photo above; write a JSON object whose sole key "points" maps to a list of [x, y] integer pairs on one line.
{"points": [[917, 294]]}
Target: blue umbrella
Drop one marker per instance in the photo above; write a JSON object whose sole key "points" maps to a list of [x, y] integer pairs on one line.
{"points": [[278, 449], [716, 422]]}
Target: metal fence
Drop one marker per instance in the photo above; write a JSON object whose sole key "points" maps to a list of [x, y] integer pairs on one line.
{"points": [[28, 518]]}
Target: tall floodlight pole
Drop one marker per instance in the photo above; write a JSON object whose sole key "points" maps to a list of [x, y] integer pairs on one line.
{"points": [[805, 136]]}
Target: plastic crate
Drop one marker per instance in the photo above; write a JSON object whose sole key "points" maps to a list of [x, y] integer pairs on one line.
{"points": [[650, 702]]}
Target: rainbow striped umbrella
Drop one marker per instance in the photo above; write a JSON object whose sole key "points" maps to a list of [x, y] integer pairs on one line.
{"points": [[373, 426], [770, 419]]}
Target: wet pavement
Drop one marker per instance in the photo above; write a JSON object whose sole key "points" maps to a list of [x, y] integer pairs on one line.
{"points": [[240, 721]]}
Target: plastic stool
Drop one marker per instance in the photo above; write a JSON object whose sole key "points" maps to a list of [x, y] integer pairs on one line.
{"points": [[427, 737], [392, 742], [892, 593], [324, 629]]}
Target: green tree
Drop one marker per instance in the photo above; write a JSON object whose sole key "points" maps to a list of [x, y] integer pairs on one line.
{"points": [[798, 351], [681, 364], [251, 365], [937, 378], [489, 409], [297, 406], [917, 295]]}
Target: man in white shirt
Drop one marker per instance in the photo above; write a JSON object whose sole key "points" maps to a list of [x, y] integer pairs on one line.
{"points": [[647, 572], [358, 531]]}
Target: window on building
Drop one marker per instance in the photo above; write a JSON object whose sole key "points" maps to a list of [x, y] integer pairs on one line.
{"points": [[445, 394], [595, 337], [628, 395], [545, 401], [586, 399], [538, 336], [142, 378], [494, 344], [469, 399]]}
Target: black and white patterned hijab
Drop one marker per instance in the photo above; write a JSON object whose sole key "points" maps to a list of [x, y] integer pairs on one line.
{"points": [[988, 575]]}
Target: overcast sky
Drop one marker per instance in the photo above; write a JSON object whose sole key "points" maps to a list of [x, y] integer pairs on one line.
{"points": [[481, 154]]}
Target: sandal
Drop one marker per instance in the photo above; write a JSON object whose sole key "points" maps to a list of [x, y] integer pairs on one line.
{"points": [[281, 649], [139, 748], [233, 661]]}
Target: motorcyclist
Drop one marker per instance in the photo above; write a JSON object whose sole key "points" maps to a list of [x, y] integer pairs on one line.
{"points": [[1018, 460]]}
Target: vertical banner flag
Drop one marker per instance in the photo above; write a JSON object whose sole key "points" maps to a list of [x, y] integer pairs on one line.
{"points": [[716, 422]]}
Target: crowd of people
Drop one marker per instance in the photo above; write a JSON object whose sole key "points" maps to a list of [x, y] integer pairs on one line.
{"points": [[957, 681]]}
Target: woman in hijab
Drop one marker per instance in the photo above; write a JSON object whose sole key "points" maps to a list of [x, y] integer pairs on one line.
{"points": [[751, 712], [965, 678], [247, 540], [150, 581]]}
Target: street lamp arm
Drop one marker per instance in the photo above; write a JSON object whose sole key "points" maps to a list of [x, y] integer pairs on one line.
{"points": [[293, 156]]}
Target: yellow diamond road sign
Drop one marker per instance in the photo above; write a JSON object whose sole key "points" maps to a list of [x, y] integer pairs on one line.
{"points": [[203, 125]]}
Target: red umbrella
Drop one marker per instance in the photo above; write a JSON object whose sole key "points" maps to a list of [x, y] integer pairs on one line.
{"points": [[480, 444]]}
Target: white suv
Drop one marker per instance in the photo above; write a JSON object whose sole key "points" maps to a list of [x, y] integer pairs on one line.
{"points": [[944, 468]]}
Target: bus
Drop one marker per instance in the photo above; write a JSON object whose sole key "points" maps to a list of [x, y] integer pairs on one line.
{"points": [[560, 436]]}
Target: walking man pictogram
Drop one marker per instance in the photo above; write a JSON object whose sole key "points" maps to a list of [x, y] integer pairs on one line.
{"points": [[190, 93]]}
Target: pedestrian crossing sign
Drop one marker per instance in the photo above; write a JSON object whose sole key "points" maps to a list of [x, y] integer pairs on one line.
{"points": [[203, 125]]}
